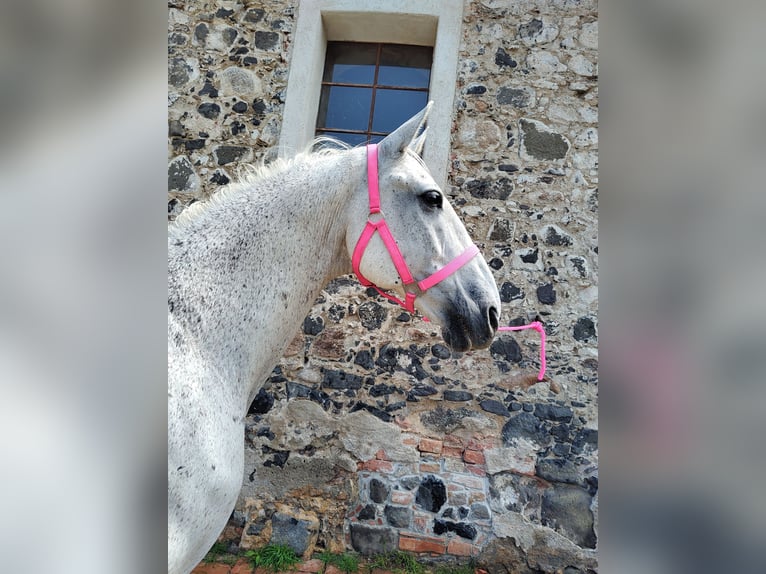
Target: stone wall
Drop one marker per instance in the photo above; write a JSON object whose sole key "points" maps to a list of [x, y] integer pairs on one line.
{"points": [[370, 434]]}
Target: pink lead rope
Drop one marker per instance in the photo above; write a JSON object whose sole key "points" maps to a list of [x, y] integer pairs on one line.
{"points": [[537, 326], [381, 227]]}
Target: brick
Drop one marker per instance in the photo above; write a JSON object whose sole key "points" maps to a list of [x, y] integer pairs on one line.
{"points": [[473, 456], [378, 465], [469, 481], [311, 566], [211, 568], [401, 497], [430, 467], [413, 544], [242, 567], [453, 441], [381, 455], [430, 445], [476, 469], [477, 497], [460, 548], [410, 440], [453, 451], [481, 444]]}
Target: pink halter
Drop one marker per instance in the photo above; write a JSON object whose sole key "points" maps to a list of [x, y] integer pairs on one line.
{"points": [[388, 240], [381, 227]]}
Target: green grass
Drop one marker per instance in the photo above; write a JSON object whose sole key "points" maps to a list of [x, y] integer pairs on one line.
{"points": [[348, 563], [398, 561], [218, 553], [276, 557], [469, 568]]}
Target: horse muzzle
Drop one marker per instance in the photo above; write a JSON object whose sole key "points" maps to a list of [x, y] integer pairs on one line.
{"points": [[467, 329]]}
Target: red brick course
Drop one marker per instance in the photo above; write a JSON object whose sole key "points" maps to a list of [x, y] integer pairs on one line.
{"points": [[377, 465], [460, 548], [430, 445], [473, 456], [433, 545]]}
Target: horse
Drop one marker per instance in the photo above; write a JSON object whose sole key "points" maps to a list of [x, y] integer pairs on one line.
{"points": [[244, 269]]}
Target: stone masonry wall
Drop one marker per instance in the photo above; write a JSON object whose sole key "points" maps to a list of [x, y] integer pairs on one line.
{"points": [[370, 435]]}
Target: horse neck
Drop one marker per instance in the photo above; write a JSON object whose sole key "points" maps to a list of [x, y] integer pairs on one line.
{"points": [[258, 259]]}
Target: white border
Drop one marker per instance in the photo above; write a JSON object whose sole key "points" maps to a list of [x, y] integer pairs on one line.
{"points": [[434, 23]]}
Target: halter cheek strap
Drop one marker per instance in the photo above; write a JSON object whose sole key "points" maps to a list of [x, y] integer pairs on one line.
{"points": [[376, 223]]}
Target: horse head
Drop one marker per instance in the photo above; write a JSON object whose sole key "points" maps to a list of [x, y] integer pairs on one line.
{"points": [[414, 244]]}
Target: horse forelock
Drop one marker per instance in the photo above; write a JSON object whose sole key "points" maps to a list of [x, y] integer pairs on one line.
{"points": [[253, 174]]}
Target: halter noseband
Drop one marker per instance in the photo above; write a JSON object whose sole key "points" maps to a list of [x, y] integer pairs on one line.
{"points": [[381, 227]]}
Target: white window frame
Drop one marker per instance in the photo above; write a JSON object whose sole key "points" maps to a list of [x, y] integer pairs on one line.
{"points": [[435, 23]]}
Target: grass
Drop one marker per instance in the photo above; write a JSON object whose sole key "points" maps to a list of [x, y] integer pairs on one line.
{"points": [[276, 557], [469, 568], [218, 553], [398, 561], [348, 563]]}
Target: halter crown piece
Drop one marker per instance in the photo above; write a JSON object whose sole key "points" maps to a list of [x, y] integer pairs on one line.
{"points": [[412, 288]]}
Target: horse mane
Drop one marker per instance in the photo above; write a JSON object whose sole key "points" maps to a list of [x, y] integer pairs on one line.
{"points": [[321, 146]]}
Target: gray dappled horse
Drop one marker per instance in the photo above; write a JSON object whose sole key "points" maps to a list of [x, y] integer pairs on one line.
{"points": [[244, 269]]}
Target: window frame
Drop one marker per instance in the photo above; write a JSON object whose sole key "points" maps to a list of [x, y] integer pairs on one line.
{"points": [[375, 86], [435, 23]]}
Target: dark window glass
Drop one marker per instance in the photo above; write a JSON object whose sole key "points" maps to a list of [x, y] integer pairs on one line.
{"points": [[368, 90], [344, 108], [394, 107]]}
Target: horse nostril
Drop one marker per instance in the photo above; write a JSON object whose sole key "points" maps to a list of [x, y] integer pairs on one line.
{"points": [[494, 321]]}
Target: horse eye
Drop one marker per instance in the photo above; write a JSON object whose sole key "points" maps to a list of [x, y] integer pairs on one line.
{"points": [[431, 198]]}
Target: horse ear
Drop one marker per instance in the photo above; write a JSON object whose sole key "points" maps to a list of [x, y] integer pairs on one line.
{"points": [[412, 134]]}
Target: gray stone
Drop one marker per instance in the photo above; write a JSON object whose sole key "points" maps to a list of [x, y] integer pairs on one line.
{"points": [[313, 325], [367, 513], [237, 81], [494, 407], [255, 15], [378, 491], [337, 379], [181, 71], [409, 482], [554, 236], [524, 426], [440, 351], [398, 516], [553, 412], [266, 40], [566, 509], [546, 294], [540, 143], [538, 31], [372, 315], [480, 511], [369, 540], [584, 329], [181, 175], [516, 97], [291, 532], [509, 292], [502, 230], [457, 396], [209, 110], [432, 494], [506, 348], [559, 470], [490, 189], [504, 60], [230, 153]]}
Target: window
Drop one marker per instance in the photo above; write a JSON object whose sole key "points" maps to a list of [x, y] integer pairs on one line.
{"points": [[432, 24], [370, 89]]}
